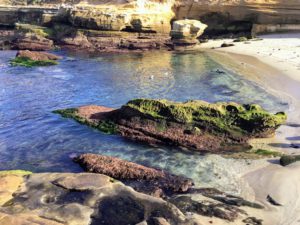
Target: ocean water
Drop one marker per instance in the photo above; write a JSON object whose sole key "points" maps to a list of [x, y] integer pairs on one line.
{"points": [[33, 138]]}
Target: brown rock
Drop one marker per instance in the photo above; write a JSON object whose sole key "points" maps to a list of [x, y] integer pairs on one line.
{"points": [[142, 178], [195, 125], [37, 56], [8, 185], [79, 40], [83, 199], [32, 42], [25, 219]]}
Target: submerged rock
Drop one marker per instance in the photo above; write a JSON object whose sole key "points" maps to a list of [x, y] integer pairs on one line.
{"points": [[29, 59], [196, 125], [141, 178]]}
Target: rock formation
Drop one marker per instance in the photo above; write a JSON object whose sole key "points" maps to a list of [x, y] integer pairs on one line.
{"points": [[138, 25], [79, 199], [93, 199], [241, 17], [186, 32], [33, 42], [196, 125], [101, 26], [37, 56], [29, 59], [141, 178]]}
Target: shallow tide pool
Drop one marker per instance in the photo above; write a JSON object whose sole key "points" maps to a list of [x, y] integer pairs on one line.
{"points": [[33, 138]]}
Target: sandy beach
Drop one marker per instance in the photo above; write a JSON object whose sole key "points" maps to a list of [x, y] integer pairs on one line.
{"points": [[273, 61]]}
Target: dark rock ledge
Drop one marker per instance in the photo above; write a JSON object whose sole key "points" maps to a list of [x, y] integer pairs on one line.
{"points": [[94, 199], [175, 189], [144, 179], [195, 125]]}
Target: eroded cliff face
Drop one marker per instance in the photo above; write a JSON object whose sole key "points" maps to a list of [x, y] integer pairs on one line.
{"points": [[115, 15], [241, 15], [154, 16]]}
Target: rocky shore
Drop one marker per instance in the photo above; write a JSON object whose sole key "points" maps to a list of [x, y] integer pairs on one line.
{"points": [[117, 192], [89, 198], [117, 26]]}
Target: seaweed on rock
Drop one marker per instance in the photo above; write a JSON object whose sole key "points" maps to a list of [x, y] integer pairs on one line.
{"points": [[106, 126], [195, 125], [27, 62], [222, 117]]}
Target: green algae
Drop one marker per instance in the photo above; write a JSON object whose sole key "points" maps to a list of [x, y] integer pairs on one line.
{"points": [[27, 62], [254, 154], [267, 153], [107, 127], [231, 117], [15, 172]]}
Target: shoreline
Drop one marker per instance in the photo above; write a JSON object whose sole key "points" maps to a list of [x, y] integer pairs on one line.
{"points": [[264, 71], [279, 74]]}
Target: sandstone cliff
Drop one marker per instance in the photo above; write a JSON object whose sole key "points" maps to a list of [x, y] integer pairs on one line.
{"points": [[221, 16], [240, 15]]}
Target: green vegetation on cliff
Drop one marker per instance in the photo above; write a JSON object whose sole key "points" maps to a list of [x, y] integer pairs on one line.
{"points": [[229, 117], [24, 61]]}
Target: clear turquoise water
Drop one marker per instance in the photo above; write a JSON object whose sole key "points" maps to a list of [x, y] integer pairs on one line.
{"points": [[33, 138]]}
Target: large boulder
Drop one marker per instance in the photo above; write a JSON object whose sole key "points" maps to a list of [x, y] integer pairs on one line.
{"points": [[29, 59], [33, 55], [196, 125], [289, 159], [145, 179], [187, 31]]}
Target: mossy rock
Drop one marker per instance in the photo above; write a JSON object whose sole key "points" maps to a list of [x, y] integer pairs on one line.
{"points": [[107, 127], [267, 153], [254, 154], [289, 159], [26, 62], [220, 118], [194, 125], [15, 172], [241, 39]]}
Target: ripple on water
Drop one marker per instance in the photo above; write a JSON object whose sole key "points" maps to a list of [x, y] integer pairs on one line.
{"points": [[33, 138]]}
